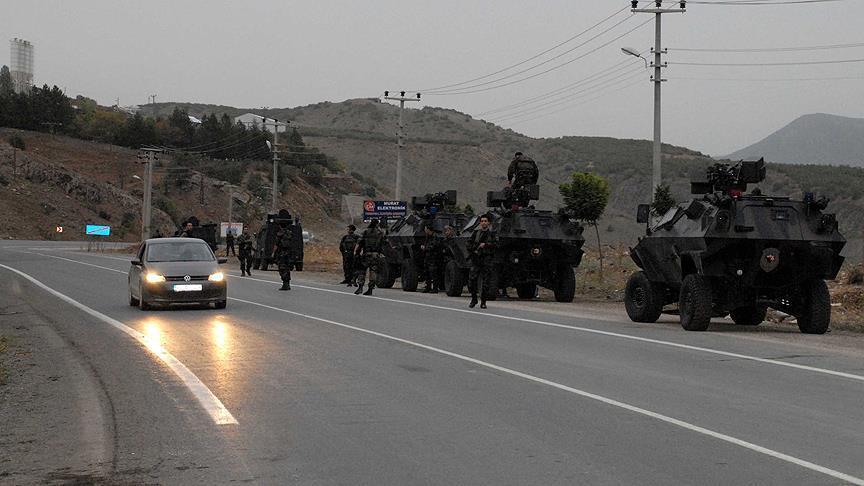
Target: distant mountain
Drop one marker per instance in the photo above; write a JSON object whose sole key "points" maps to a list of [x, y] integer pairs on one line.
{"points": [[817, 138]]}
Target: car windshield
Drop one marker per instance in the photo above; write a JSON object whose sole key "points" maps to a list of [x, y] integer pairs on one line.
{"points": [[179, 251]]}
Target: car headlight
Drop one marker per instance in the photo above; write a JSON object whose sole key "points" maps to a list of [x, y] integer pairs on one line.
{"points": [[216, 277], [154, 278]]}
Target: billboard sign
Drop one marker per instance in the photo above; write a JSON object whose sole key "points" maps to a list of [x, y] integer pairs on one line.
{"points": [[97, 230], [384, 210], [236, 228]]}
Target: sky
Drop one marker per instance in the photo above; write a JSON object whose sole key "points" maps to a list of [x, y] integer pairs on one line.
{"points": [[283, 53]]}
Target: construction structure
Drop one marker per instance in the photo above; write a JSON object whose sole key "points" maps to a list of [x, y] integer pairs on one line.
{"points": [[21, 64]]}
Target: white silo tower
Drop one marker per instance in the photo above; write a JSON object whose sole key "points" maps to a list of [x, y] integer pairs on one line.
{"points": [[21, 68]]}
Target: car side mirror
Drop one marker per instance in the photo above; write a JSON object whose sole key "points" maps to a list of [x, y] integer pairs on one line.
{"points": [[643, 212], [136, 262], [222, 260]]}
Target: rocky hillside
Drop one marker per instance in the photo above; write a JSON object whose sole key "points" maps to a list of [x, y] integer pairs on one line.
{"points": [[812, 139], [60, 181]]}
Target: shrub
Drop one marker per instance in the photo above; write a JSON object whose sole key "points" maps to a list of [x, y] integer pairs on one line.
{"points": [[17, 142], [856, 275]]}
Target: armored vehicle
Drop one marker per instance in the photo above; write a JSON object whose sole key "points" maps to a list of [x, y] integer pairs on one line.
{"points": [[206, 232], [265, 240], [728, 252], [535, 248], [402, 252]]}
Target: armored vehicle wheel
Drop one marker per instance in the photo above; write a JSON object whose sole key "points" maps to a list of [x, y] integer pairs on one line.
{"points": [[815, 314], [256, 264], [492, 294], [264, 265], [454, 279], [565, 283], [409, 276], [386, 276], [643, 298], [752, 315], [695, 303], [526, 291]]}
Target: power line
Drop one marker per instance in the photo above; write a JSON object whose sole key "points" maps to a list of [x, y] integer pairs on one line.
{"points": [[528, 59], [774, 49], [799, 63], [696, 78], [553, 68], [758, 2]]}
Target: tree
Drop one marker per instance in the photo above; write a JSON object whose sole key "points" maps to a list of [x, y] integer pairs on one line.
{"points": [[585, 198], [6, 87], [663, 200]]}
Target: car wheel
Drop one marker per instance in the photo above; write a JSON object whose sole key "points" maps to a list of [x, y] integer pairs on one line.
{"points": [[221, 304], [143, 304], [695, 303], [815, 315], [643, 299]]}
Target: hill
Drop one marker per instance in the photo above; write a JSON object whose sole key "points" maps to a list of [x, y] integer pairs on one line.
{"points": [[818, 139], [63, 181], [447, 149]]}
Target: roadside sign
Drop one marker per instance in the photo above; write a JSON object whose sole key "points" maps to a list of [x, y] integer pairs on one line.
{"points": [[97, 230], [58, 229], [384, 210], [236, 228]]}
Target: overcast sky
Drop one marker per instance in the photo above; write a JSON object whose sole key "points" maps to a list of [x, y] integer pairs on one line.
{"points": [[281, 53]]}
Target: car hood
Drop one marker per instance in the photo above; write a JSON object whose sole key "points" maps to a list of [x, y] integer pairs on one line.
{"points": [[180, 269]]}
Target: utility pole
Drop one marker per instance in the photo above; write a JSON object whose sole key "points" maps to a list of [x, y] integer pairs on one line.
{"points": [[153, 97], [150, 155], [657, 79], [275, 149], [399, 136]]}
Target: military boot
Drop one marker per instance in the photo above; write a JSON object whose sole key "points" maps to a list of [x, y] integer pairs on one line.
{"points": [[285, 286], [359, 290], [483, 304], [242, 273], [473, 300], [369, 290], [427, 289]]}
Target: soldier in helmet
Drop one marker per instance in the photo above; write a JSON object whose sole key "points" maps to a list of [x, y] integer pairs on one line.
{"points": [[369, 250], [346, 247], [244, 245], [283, 252], [522, 172], [481, 247]]}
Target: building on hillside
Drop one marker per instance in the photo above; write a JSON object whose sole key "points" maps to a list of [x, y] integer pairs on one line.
{"points": [[251, 119], [21, 64], [194, 121]]}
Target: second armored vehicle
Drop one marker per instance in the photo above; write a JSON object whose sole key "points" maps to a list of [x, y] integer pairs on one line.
{"points": [[402, 252], [731, 252], [265, 240], [535, 248], [205, 231]]}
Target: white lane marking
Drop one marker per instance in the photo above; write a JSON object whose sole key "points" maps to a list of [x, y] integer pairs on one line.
{"points": [[585, 394], [688, 347], [209, 401], [814, 369]]}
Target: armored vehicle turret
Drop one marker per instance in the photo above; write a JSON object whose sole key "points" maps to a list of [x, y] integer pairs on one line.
{"points": [[730, 252], [535, 248], [402, 249], [265, 240]]}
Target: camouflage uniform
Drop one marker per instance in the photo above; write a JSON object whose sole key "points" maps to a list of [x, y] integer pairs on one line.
{"points": [[346, 247], [244, 244], [284, 256], [482, 263], [522, 172], [370, 245], [433, 249]]}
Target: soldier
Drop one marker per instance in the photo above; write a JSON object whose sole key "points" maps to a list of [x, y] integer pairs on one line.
{"points": [[158, 234], [431, 248], [187, 231], [481, 247], [282, 251], [229, 243], [346, 247], [369, 249], [244, 243], [522, 172]]}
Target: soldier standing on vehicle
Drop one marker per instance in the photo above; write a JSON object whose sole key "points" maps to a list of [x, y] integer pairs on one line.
{"points": [[346, 247], [244, 244], [431, 248], [481, 247], [369, 249], [229, 243], [522, 172], [283, 253]]}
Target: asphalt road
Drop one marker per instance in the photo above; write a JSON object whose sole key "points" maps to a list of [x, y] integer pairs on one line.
{"points": [[325, 387]]}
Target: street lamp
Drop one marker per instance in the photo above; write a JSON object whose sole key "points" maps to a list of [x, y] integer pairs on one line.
{"points": [[633, 52]]}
